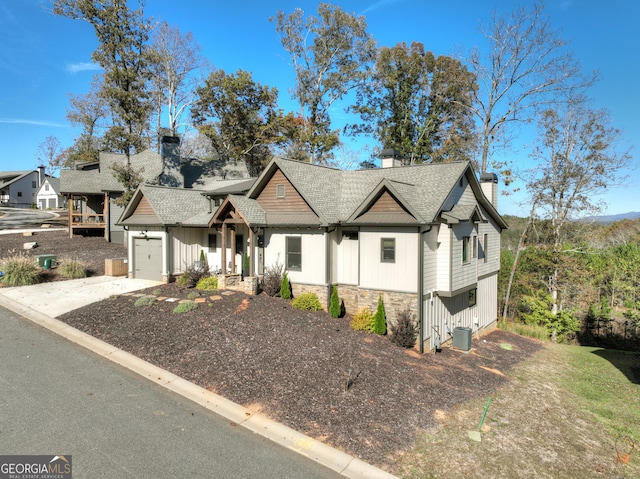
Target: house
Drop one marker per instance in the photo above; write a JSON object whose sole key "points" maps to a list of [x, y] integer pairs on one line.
{"points": [[48, 195], [93, 191], [18, 188], [168, 228], [425, 238]]}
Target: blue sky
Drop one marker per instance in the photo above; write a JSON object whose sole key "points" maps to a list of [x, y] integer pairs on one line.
{"points": [[44, 58]]}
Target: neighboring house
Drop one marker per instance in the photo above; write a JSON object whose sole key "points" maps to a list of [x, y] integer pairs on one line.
{"points": [[426, 238], [18, 188], [168, 228], [48, 195], [92, 189]]}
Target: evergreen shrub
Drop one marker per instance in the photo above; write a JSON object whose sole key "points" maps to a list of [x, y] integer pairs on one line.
{"points": [[307, 301]]}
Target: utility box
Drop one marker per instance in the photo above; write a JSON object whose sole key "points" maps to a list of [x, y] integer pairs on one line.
{"points": [[115, 267], [46, 261], [462, 338]]}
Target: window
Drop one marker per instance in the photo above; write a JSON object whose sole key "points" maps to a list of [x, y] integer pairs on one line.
{"points": [[213, 242], [294, 253], [279, 191], [388, 250], [474, 246], [19, 193], [472, 296], [485, 247], [46, 187], [465, 249], [34, 184]]}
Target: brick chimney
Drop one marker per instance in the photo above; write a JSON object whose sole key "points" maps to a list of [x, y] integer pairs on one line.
{"points": [[489, 185]]}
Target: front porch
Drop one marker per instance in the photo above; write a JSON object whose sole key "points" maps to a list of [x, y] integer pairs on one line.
{"points": [[87, 212]]}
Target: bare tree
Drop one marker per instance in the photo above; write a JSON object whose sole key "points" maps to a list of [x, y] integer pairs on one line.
{"points": [[49, 154], [526, 68], [579, 156], [174, 60]]}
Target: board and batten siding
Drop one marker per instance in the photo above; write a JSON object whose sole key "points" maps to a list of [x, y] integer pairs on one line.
{"points": [[314, 254], [186, 244], [345, 246], [402, 275]]}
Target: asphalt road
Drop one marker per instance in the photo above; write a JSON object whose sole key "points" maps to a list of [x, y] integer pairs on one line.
{"points": [[13, 218], [58, 398]]}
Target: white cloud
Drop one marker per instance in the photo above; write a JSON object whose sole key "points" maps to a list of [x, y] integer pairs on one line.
{"points": [[377, 5], [18, 121], [81, 67]]}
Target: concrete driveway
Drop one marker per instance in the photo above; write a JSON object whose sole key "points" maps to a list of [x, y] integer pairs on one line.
{"points": [[60, 297]]}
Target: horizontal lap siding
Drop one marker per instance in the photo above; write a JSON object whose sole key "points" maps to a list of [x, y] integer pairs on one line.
{"points": [[292, 201]]}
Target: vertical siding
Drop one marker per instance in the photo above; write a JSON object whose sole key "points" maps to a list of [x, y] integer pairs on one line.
{"points": [[186, 244], [346, 259], [399, 276], [314, 254]]}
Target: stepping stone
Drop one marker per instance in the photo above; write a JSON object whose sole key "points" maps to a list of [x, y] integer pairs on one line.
{"points": [[227, 293], [171, 300], [162, 298], [215, 297], [201, 300]]}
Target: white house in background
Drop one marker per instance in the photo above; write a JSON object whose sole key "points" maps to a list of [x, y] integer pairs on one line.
{"points": [[18, 188], [48, 196]]}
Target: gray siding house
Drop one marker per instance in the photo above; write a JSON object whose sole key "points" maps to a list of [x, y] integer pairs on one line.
{"points": [[18, 188]]}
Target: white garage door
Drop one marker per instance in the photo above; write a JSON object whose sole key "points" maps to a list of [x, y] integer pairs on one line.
{"points": [[147, 258]]}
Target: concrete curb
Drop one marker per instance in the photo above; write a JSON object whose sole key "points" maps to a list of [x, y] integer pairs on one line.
{"points": [[319, 452]]}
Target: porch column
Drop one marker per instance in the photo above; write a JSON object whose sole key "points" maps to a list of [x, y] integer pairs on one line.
{"points": [[233, 251], [70, 216], [223, 267], [252, 251]]}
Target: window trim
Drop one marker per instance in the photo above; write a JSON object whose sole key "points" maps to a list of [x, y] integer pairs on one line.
{"points": [[384, 251], [289, 253], [485, 247], [465, 249], [213, 236], [472, 297], [280, 190]]}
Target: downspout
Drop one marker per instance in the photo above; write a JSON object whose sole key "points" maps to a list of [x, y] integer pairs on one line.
{"points": [[421, 288], [420, 292], [327, 266]]}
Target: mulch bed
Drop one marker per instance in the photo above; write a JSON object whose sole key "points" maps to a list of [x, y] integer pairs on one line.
{"points": [[90, 250], [353, 390]]}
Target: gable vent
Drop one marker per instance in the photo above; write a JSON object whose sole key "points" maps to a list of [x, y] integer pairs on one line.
{"points": [[279, 191]]}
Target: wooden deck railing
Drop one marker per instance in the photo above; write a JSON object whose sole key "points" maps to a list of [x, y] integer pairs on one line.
{"points": [[88, 220]]}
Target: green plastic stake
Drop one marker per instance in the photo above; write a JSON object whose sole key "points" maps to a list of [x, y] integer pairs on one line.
{"points": [[486, 408]]}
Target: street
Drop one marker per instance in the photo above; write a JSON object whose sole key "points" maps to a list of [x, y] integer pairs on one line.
{"points": [[23, 218], [58, 398]]}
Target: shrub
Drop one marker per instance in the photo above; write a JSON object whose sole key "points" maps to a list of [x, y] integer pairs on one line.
{"points": [[362, 321], [192, 295], [185, 307], [192, 274], [272, 279], [404, 333], [335, 309], [20, 270], [380, 319], [72, 269], [285, 287], [307, 301], [146, 300], [208, 283]]}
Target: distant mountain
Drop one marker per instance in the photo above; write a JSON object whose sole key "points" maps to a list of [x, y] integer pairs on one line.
{"points": [[613, 218]]}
